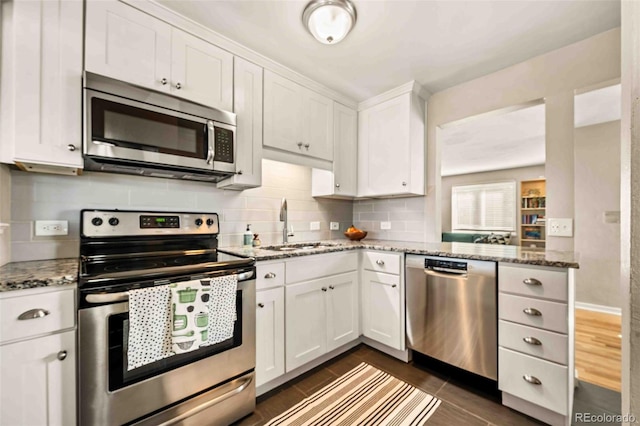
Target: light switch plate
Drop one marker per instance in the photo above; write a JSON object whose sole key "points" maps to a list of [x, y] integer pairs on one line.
{"points": [[385, 225], [51, 227], [334, 226], [560, 227], [314, 226]]}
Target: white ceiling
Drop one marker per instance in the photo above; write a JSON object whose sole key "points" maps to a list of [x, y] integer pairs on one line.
{"points": [[438, 43]]}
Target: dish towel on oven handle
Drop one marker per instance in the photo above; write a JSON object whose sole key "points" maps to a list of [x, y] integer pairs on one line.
{"points": [[222, 308], [191, 315], [149, 337]]}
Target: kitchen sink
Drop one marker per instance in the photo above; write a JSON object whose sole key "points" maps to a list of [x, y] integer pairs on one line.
{"points": [[300, 246]]}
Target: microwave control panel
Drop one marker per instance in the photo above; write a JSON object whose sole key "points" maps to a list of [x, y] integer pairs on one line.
{"points": [[223, 145]]}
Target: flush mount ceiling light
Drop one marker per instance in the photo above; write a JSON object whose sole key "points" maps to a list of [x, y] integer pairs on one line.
{"points": [[329, 21]]}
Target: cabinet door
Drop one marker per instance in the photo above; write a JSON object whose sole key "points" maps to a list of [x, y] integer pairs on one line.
{"points": [[269, 335], [42, 83], [345, 150], [200, 71], [318, 126], [384, 157], [381, 306], [36, 387], [283, 103], [247, 100], [343, 314], [306, 324], [126, 44]]}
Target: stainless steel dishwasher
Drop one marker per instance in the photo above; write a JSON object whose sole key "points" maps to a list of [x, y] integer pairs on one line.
{"points": [[452, 312]]}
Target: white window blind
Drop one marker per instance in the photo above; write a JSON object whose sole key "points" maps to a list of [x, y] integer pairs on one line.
{"points": [[484, 207]]}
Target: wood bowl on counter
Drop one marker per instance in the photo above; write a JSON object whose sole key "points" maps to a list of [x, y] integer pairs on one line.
{"points": [[355, 235]]}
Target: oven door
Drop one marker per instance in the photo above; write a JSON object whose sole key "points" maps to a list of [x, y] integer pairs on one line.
{"points": [[111, 395], [123, 129]]}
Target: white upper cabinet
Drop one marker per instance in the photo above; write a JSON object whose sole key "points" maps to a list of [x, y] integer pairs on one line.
{"points": [[247, 100], [296, 119], [40, 101], [391, 147], [129, 45], [341, 182]]}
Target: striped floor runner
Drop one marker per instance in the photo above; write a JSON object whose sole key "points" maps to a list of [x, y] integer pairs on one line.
{"points": [[363, 396]]}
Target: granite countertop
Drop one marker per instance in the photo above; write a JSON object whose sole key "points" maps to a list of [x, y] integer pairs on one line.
{"points": [[38, 273], [493, 252]]}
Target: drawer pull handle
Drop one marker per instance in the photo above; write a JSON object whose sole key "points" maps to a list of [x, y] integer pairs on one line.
{"points": [[62, 355], [332, 287], [532, 281], [323, 289], [269, 275], [394, 286], [260, 305], [532, 341], [33, 314], [532, 311], [380, 262], [532, 379]]}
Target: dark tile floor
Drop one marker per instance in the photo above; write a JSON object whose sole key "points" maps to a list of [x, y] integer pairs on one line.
{"points": [[461, 404]]}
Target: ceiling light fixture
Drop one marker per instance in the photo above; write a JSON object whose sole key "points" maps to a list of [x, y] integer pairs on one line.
{"points": [[329, 21]]}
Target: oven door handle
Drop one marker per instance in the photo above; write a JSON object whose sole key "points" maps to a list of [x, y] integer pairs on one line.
{"points": [[243, 385], [107, 297]]}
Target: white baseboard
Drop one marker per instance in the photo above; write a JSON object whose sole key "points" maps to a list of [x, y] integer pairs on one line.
{"points": [[599, 308]]}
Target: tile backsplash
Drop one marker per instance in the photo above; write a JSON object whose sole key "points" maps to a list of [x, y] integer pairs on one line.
{"points": [[53, 197], [407, 217]]}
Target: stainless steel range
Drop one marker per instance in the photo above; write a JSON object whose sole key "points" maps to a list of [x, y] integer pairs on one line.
{"points": [[121, 251]]}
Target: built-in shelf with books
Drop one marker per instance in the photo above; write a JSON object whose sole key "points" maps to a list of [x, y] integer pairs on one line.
{"points": [[533, 203]]}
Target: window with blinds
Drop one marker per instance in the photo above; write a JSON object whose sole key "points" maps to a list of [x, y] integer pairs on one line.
{"points": [[484, 207]]}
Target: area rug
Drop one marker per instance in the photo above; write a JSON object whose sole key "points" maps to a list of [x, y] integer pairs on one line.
{"points": [[363, 396]]}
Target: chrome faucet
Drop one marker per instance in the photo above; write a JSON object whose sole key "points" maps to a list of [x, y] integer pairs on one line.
{"points": [[283, 218]]}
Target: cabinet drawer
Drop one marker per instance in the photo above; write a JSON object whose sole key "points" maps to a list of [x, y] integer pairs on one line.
{"points": [[551, 393], [381, 262], [60, 306], [545, 283], [553, 315], [552, 346], [269, 275], [321, 265]]}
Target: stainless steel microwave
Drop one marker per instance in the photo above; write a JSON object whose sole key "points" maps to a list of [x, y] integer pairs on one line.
{"points": [[132, 130]]}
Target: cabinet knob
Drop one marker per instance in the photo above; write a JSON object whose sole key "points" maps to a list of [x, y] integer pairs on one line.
{"points": [[324, 289], [532, 341], [62, 355], [71, 147], [269, 275], [178, 86], [531, 281], [380, 262], [299, 145], [394, 285], [404, 183], [337, 185], [532, 379], [163, 81], [33, 314], [260, 305], [239, 172], [306, 145], [532, 311]]}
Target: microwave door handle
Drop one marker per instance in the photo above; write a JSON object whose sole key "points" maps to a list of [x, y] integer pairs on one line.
{"points": [[211, 142]]}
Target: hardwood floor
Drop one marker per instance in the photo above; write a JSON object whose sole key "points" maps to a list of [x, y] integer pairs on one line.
{"points": [[598, 348]]}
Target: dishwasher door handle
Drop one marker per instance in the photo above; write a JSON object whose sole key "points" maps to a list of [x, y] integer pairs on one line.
{"points": [[445, 275]]}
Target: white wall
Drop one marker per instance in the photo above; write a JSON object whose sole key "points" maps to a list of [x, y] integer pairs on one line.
{"points": [[405, 214], [5, 214], [597, 190], [518, 174], [553, 77], [46, 197]]}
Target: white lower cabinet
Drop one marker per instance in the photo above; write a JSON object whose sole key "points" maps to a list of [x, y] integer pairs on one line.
{"points": [[321, 315], [383, 309], [269, 334]]}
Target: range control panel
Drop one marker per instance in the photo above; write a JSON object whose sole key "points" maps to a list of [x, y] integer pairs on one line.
{"points": [[116, 223]]}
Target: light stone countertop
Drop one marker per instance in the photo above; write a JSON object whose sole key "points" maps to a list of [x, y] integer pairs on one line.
{"points": [[492, 252], [38, 273]]}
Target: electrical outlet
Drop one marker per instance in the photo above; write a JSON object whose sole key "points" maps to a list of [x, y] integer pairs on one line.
{"points": [[385, 225], [52, 227], [560, 227], [334, 226], [314, 226]]}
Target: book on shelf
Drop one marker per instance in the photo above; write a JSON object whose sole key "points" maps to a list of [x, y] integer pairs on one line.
{"points": [[532, 219]]}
